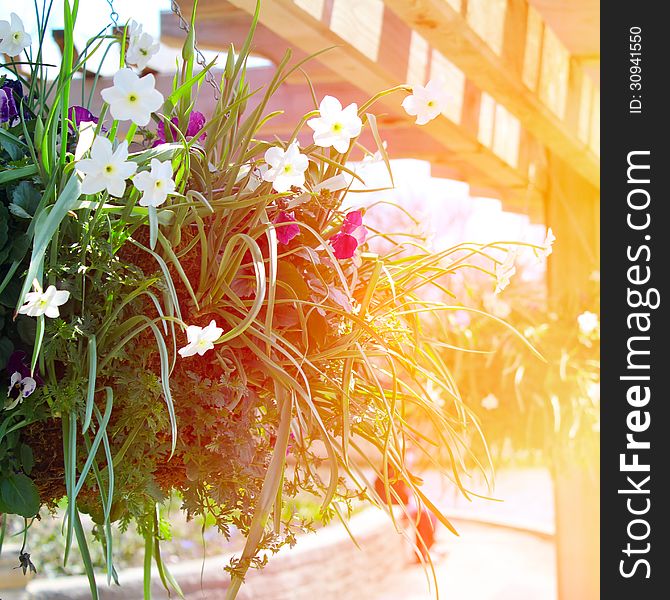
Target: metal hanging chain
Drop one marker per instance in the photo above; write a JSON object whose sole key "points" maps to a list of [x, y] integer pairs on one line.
{"points": [[199, 57], [113, 15]]}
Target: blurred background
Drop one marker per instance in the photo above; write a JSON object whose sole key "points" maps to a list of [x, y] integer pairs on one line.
{"points": [[515, 153]]}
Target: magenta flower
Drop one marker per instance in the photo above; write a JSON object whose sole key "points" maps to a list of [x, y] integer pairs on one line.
{"points": [[286, 233], [196, 121], [352, 234]]}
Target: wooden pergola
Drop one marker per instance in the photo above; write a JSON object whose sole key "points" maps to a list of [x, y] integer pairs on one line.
{"points": [[523, 118]]}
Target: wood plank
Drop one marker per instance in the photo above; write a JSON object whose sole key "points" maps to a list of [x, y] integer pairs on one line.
{"points": [[448, 31], [387, 65]]}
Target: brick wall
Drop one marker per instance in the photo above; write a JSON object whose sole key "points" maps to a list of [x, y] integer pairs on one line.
{"points": [[322, 566]]}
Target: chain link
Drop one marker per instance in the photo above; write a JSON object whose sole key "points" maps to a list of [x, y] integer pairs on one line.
{"points": [[113, 15], [199, 57]]}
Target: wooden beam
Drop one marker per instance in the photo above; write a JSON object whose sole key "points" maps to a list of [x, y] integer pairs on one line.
{"points": [[499, 74], [375, 50], [573, 213], [234, 22]]}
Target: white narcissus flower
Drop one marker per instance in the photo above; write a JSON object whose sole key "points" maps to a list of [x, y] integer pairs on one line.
{"points": [[133, 31], [156, 185], [200, 339], [427, 102], [335, 126], [106, 169], [490, 402], [13, 36], [588, 322], [333, 184], [287, 167], [547, 249], [140, 50], [132, 98], [505, 271], [45, 302]]}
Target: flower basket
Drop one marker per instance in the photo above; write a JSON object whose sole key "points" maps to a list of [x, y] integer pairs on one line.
{"points": [[189, 308]]}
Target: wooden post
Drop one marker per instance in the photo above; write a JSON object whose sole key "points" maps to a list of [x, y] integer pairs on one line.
{"points": [[572, 211]]}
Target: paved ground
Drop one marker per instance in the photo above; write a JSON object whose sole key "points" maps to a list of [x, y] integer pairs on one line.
{"points": [[490, 560], [485, 563]]}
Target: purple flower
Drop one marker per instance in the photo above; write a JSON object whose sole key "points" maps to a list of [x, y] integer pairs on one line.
{"points": [[286, 233], [18, 363], [196, 121], [9, 92], [79, 115], [4, 106], [21, 383]]}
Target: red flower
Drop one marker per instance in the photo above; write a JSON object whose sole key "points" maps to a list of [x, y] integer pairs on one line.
{"points": [[352, 234], [286, 233]]}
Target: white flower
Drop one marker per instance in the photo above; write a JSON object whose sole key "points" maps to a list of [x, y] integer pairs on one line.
{"points": [[132, 98], [548, 243], [426, 102], [333, 184], [287, 168], [255, 179], [336, 126], [200, 339], [505, 271], [140, 50], [19, 388], [46, 302], [588, 322], [133, 31], [106, 169], [593, 391], [13, 35], [156, 184], [490, 402]]}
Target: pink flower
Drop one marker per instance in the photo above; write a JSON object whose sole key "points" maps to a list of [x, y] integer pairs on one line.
{"points": [[196, 121], [286, 233], [352, 234]]}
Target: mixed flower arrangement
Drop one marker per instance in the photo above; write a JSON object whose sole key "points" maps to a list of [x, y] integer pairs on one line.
{"points": [[187, 310]]}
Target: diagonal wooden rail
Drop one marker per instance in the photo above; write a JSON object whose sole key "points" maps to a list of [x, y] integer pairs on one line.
{"points": [[375, 51], [501, 74]]}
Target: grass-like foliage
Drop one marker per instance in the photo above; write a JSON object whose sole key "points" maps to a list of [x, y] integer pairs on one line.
{"points": [[206, 336]]}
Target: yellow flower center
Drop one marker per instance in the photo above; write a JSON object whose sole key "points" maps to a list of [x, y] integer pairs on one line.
{"points": [[431, 103], [17, 36], [109, 169], [158, 183], [132, 98], [288, 169], [337, 127]]}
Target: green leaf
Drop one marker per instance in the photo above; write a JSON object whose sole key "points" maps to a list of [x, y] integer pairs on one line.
{"points": [[19, 495], [10, 174], [25, 199], [20, 245], [27, 458], [6, 349], [46, 224]]}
